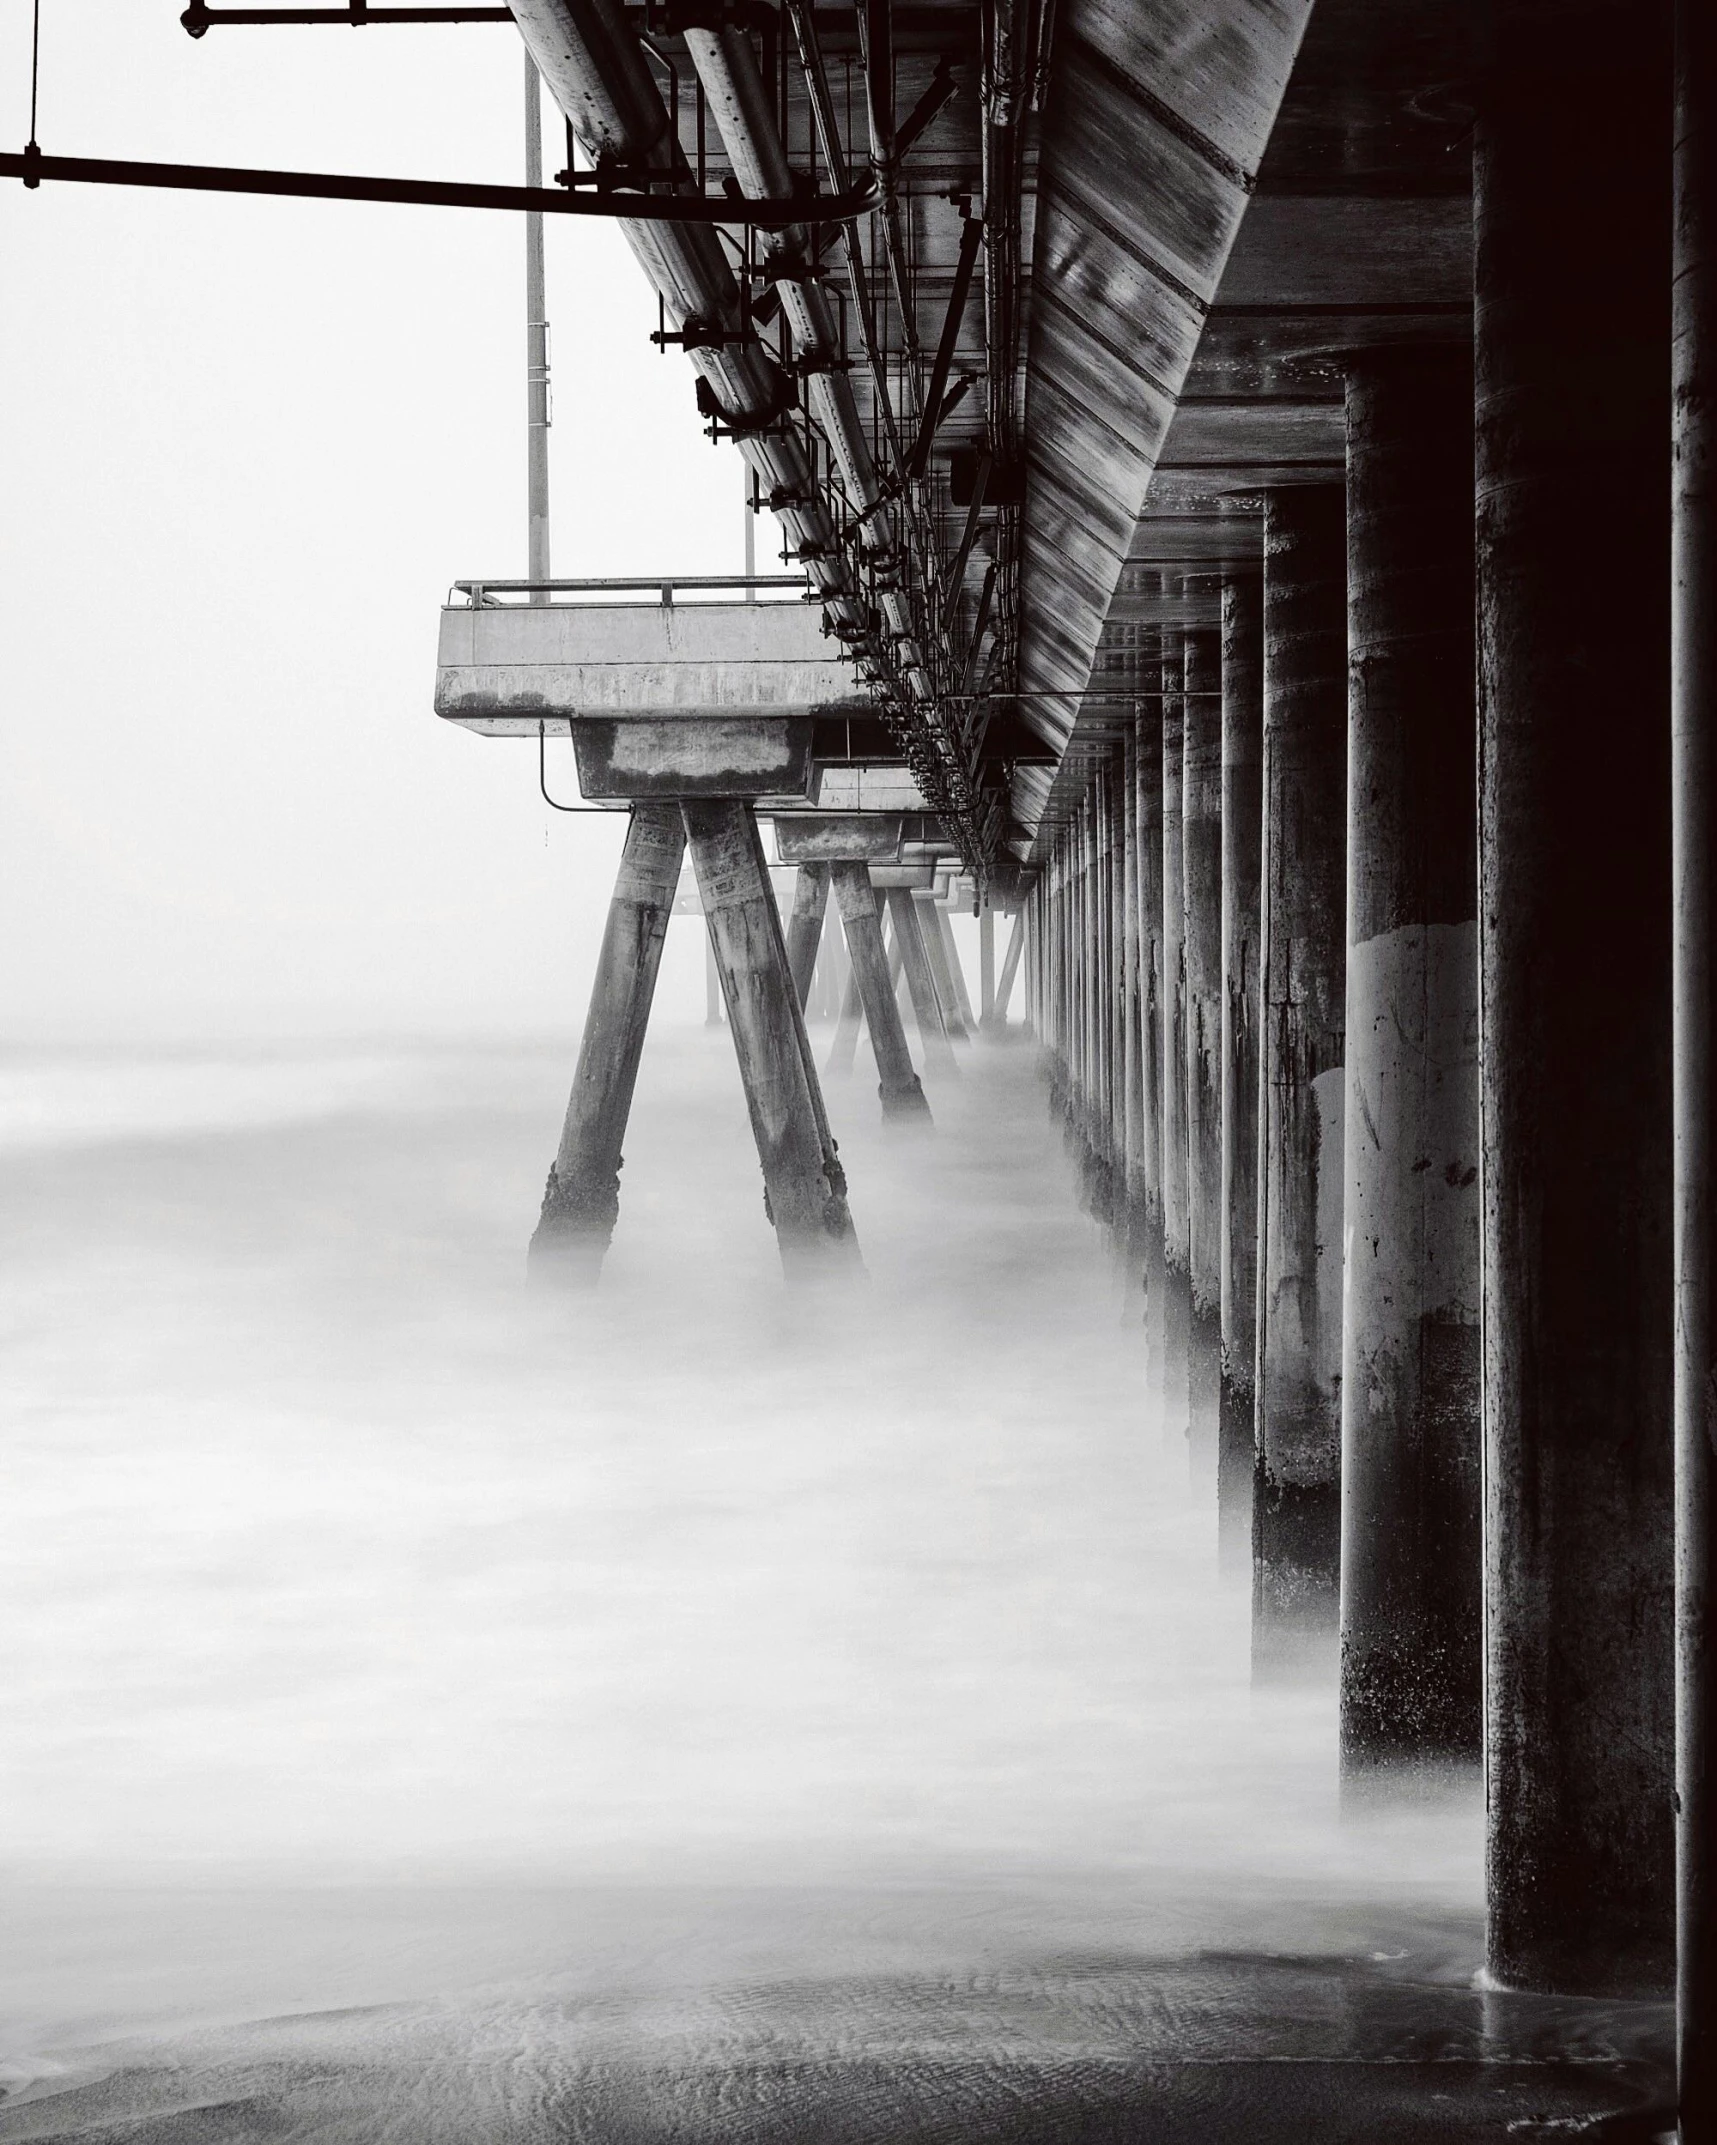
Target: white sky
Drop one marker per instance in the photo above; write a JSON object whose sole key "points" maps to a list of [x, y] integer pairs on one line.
{"points": [[247, 445]]}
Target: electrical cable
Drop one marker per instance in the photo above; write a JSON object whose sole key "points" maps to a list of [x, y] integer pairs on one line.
{"points": [[542, 772]]}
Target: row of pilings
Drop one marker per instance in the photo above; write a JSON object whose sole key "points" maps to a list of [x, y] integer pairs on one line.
{"points": [[1351, 958], [1377, 994]]}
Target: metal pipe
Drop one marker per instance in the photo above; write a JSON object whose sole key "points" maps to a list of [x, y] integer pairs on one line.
{"points": [[594, 64], [536, 348], [738, 99], [638, 211]]}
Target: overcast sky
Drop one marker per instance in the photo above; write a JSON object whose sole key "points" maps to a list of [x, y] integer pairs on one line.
{"points": [[247, 446]]}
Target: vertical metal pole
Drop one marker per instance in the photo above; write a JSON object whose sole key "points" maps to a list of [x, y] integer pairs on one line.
{"points": [[536, 349], [750, 535]]}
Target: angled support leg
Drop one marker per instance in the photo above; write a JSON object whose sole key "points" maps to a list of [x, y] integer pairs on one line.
{"points": [[845, 1046], [1010, 968], [803, 1184], [926, 1007], [902, 1096], [582, 1201], [931, 923], [805, 926], [956, 972]]}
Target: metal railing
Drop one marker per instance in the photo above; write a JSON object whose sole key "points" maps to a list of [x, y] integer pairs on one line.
{"points": [[667, 589]]}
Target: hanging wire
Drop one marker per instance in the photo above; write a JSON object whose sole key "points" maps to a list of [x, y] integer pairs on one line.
{"points": [[31, 147], [542, 772]]}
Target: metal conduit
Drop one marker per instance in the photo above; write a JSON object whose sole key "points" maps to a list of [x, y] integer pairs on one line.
{"points": [[595, 68], [734, 89]]}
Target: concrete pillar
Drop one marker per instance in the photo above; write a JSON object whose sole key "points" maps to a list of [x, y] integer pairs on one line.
{"points": [[1694, 654], [1010, 967], [844, 1048], [898, 1085], [930, 926], [956, 973], [1296, 1513], [938, 1053], [1115, 790], [712, 1013], [805, 926], [1148, 768], [1201, 849], [804, 1186], [582, 1201], [1242, 1025], [986, 967], [1177, 1224], [1410, 1554], [1575, 897], [1132, 1027]]}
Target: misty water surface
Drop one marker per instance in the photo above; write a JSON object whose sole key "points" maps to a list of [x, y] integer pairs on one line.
{"points": [[698, 1666]]}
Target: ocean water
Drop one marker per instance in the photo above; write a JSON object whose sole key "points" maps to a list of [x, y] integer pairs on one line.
{"points": [[699, 1709]]}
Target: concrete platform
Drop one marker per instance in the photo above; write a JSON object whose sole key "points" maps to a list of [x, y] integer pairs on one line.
{"points": [[502, 669]]}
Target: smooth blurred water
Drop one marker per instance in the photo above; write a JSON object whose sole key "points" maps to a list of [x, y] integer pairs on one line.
{"points": [[376, 1631]]}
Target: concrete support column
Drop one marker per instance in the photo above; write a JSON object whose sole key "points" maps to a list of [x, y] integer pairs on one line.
{"points": [[986, 967], [1694, 655], [804, 1186], [930, 925], [1148, 727], [1410, 1554], [805, 926], [897, 1083], [1132, 1027], [956, 973], [712, 1014], [1115, 789], [1010, 967], [1242, 1022], [582, 1201], [1177, 1223], [1296, 1514], [1573, 476], [1201, 848], [938, 1053]]}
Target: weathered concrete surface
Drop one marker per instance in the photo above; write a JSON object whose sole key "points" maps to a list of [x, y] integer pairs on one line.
{"points": [[1411, 1560], [1201, 849], [871, 986], [1177, 1225], [1573, 442], [1693, 630], [804, 1186], [501, 669], [582, 1201], [837, 837], [694, 756], [1296, 1509], [1242, 1018]]}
